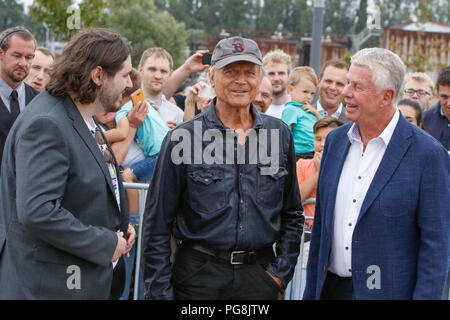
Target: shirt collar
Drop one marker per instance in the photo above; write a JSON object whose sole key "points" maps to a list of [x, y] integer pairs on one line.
{"points": [[336, 115], [354, 135], [5, 89], [214, 121], [294, 103], [440, 109]]}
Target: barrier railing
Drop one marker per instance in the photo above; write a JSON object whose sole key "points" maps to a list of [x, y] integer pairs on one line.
{"points": [[142, 187], [294, 288]]}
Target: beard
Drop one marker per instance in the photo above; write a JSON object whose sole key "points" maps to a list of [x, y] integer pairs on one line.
{"points": [[279, 91], [109, 101], [13, 77]]}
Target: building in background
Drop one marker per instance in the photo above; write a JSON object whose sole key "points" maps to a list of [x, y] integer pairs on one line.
{"points": [[297, 45], [424, 47]]}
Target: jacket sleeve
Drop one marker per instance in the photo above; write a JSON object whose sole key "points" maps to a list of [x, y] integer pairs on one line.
{"points": [[161, 206], [292, 223]]}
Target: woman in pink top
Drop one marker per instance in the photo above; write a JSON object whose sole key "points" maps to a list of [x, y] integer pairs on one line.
{"points": [[308, 169]]}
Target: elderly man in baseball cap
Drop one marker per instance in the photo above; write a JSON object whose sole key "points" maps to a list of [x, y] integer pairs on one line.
{"points": [[225, 187]]}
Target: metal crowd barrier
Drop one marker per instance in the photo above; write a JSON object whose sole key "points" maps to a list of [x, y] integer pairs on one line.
{"points": [[295, 287], [142, 187]]}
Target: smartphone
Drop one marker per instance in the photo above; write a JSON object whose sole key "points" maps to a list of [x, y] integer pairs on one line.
{"points": [[137, 96], [206, 58]]}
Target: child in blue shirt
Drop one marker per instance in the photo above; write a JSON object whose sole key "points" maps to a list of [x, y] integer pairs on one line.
{"points": [[298, 114], [149, 136]]}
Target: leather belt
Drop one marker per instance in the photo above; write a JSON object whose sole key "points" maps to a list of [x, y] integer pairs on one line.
{"points": [[236, 257]]}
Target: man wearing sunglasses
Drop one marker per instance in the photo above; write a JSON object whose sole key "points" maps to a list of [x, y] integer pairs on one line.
{"points": [[64, 222]]}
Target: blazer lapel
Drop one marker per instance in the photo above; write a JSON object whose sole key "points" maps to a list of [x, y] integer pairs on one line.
{"points": [[85, 135], [337, 153], [395, 152]]}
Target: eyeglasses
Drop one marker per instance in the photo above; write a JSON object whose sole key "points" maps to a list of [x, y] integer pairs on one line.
{"points": [[101, 141], [420, 93]]}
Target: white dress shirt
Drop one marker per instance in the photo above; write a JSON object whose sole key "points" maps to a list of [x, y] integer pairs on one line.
{"points": [[324, 113], [357, 174]]}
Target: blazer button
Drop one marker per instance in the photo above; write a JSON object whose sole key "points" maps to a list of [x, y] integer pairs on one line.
{"points": [[324, 269]]}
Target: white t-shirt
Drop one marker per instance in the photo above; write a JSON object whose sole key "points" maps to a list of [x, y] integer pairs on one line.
{"points": [[275, 111]]}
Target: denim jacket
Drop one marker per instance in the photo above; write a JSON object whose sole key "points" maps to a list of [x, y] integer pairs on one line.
{"points": [[208, 188]]}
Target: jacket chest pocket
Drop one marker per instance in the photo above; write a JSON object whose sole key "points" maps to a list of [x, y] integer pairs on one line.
{"points": [[270, 186], [206, 189]]}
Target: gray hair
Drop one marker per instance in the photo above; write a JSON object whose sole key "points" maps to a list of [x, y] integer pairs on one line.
{"points": [[387, 67]]}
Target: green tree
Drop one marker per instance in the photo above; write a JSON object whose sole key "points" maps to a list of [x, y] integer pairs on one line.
{"points": [[362, 16], [272, 14], [186, 11], [55, 14], [339, 16], [145, 26], [11, 14], [235, 14]]}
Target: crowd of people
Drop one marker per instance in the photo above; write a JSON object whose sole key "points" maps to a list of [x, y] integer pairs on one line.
{"points": [[229, 161]]}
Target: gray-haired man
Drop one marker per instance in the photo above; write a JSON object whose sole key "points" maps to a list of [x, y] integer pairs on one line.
{"points": [[226, 209], [379, 231]]}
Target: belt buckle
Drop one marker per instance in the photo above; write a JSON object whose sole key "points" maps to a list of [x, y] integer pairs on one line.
{"points": [[232, 257]]}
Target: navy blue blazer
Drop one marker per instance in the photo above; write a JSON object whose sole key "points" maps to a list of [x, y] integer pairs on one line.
{"points": [[403, 226]]}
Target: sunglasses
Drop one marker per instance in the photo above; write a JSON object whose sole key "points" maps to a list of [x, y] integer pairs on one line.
{"points": [[101, 140]]}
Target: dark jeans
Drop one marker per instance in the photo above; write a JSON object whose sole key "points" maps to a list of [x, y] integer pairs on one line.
{"points": [[337, 288], [199, 276]]}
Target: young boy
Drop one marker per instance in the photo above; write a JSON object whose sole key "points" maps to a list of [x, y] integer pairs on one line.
{"points": [[308, 169], [298, 114]]}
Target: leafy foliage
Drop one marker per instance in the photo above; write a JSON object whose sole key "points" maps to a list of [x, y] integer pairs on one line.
{"points": [[55, 14], [145, 26]]}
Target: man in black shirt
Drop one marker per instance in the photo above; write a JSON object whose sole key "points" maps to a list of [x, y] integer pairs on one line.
{"points": [[225, 186]]}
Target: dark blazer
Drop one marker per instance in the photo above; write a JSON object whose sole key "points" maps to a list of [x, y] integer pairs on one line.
{"points": [[58, 211], [403, 226], [437, 125], [7, 120]]}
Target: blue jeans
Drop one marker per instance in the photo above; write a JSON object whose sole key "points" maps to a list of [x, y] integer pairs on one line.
{"points": [[143, 170], [129, 266]]}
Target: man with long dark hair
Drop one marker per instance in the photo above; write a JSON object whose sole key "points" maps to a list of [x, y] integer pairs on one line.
{"points": [[64, 214]]}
